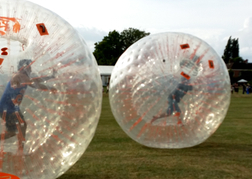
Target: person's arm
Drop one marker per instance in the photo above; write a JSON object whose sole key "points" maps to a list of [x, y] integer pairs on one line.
{"points": [[21, 79], [18, 80], [43, 87], [43, 78]]}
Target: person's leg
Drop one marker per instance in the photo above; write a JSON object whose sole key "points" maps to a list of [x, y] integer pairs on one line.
{"points": [[16, 126], [10, 124], [21, 129], [168, 112], [178, 112], [9, 134]]}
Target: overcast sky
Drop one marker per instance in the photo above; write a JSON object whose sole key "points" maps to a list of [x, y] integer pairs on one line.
{"points": [[211, 20]]}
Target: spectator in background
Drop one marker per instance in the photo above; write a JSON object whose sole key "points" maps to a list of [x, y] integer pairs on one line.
{"points": [[236, 88], [232, 89], [244, 86], [248, 88], [107, 88]]}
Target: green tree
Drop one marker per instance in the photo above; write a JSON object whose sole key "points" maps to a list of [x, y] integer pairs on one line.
{"points": [[237, 60], [130, 36], [227, 52], [112, 46], [231, 56], [235, 48], [107, 51], [231, 52]]}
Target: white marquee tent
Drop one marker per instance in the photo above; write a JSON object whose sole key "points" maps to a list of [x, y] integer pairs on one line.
{"points": [[105, 72], [242, 81]]}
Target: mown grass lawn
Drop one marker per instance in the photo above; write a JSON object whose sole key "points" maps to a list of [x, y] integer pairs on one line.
{"points": [[227, 154]]}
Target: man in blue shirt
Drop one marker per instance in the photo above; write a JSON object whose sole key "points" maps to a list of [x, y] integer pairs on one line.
{"points": [[173, 100], [13, 96]]}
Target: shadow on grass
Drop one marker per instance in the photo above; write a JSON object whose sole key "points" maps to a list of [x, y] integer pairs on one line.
{"points": [[206, 147], [226, 146], [82, 176], [75, 176]]}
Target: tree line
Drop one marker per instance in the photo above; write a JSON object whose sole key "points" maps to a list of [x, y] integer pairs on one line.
{"points": [[112, 46], [231, 52]]}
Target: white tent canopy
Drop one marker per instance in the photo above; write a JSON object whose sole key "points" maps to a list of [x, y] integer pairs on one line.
{"points": [[242, 81], [105, 72]]}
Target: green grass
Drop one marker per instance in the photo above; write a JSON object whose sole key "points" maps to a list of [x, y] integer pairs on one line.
{"points": [[227, 154]]}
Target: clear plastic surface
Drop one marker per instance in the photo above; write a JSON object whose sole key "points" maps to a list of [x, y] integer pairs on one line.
{"points": [[169, 90], [50, 90]]}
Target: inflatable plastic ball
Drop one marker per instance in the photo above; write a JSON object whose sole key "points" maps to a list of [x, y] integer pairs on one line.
{"points": [[50, 92], [169, 90]]}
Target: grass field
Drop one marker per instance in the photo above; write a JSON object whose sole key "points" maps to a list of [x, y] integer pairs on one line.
{"points": [[227, 154]]}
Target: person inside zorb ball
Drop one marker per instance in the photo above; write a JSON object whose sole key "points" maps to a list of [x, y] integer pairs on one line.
{"points": [[179, 92], [50, 92], [12, 98], [169, 90]]}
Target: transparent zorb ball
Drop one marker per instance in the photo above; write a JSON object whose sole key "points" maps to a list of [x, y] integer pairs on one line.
{"points": [[169, 90], [50, 90]]}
